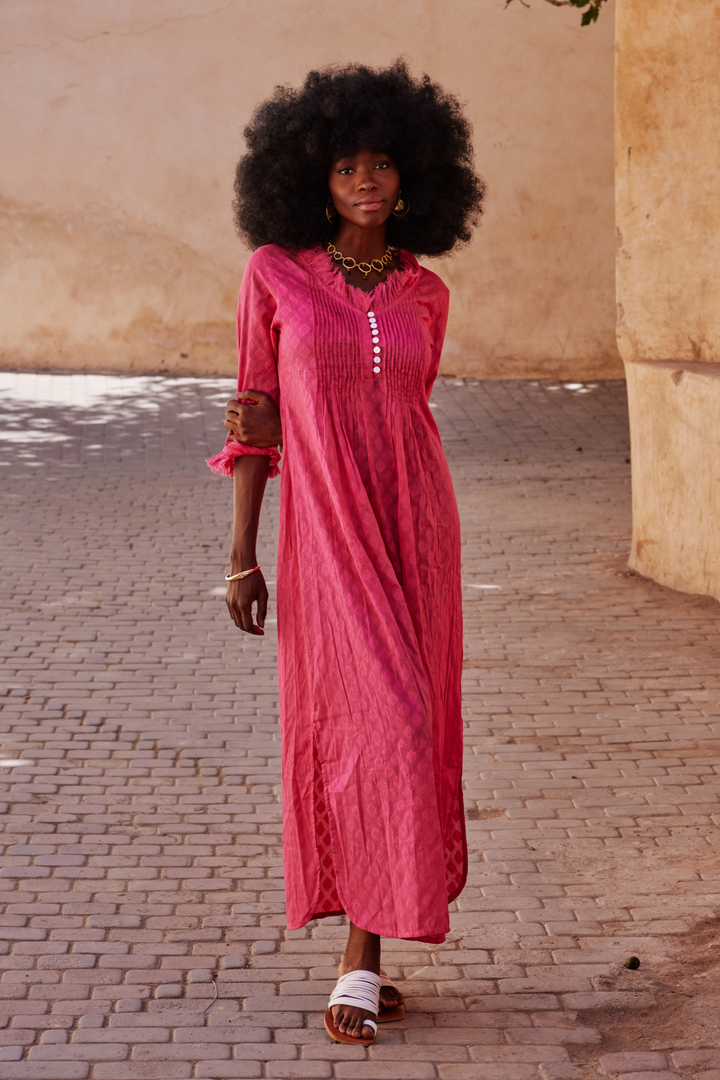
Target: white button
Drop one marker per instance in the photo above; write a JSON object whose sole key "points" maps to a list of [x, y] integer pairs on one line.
{"points": [[376, 370], [376, 349], [371, 314], [375, 339]]}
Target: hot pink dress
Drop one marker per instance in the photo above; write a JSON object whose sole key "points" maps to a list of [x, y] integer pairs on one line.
{"points": [[368, 587]]}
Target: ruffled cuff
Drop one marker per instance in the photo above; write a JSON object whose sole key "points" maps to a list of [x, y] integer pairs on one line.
{"points": [[224, 463]]}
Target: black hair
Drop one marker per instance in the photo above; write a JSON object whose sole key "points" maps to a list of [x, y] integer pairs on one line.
{"points": [[281, 184]]}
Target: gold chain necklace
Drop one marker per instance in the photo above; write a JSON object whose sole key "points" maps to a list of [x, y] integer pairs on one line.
{"points": [[378, 265]]}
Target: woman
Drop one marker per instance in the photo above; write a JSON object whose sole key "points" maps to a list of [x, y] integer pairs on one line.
{"points": [[341, 328]]}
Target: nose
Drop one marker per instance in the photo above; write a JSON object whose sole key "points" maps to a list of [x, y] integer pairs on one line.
{"points": [[366, 180]]}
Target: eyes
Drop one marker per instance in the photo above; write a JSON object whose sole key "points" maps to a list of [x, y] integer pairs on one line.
{"points": [[347, 170]]}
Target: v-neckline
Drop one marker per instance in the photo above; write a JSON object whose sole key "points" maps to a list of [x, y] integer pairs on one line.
{"points": [[385, 292]]}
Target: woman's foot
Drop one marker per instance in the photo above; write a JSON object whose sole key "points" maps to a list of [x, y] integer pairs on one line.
{"points": [[390, 997], [362, 953]]}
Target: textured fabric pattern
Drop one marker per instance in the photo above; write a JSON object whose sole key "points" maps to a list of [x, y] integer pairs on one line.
{"points": [[369, 601], [224, 463]]}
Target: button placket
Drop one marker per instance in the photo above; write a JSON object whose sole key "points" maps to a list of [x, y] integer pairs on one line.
{"points": [[377, 351]]}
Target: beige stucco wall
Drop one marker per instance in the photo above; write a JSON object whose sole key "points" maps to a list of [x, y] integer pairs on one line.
{"points": [[121, 123], [668, 218]]}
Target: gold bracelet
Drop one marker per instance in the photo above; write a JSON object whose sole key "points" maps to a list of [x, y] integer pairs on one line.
{"points": [[242, 574]]}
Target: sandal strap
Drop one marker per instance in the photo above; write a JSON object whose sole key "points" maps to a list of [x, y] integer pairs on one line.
{"points": [[360, 989]]}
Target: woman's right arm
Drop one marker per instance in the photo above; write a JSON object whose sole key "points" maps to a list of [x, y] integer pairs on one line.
{"points": [[249, 480]]}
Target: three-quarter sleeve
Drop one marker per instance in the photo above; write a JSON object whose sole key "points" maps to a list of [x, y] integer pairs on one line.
{"points": [[257, 335], [438, 312]]}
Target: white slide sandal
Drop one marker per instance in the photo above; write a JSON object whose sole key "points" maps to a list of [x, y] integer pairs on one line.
{"points": [[361, 989]]}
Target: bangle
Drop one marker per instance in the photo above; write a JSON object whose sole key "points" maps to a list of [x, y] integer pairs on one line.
{"points": [[242, 574]]}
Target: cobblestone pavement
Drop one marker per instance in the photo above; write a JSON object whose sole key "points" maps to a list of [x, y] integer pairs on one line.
{"points": [[141, 882]]}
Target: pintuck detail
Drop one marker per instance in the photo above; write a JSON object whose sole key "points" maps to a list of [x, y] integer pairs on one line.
{"points": [[395, 362]]}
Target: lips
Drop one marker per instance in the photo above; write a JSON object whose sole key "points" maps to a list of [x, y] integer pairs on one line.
{"points": [[369, 204]]}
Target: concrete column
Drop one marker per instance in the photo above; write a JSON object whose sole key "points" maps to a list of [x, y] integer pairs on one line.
{"points": [[668, 280]]}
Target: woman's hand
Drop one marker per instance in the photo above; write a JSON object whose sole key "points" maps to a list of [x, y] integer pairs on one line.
{"points": [[257, 424], [240, 597]]}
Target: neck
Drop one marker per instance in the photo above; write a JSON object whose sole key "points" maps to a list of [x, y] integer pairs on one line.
{"points": [[363, 245]]}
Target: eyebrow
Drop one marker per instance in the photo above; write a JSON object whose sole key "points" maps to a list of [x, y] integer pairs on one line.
{"points": [[345, 161]]}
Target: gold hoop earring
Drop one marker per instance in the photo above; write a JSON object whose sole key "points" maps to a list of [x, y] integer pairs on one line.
{"points": [[328, 215], [402, 209]]}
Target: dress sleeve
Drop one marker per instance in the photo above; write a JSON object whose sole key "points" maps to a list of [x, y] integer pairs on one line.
{"points": [[438, 311], [257, 335]]}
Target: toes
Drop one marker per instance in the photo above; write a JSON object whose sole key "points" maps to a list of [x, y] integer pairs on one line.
{"points": [[350, 1024], [359, 1029]]}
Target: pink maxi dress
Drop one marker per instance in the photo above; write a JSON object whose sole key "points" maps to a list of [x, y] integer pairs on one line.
{"points": [[368, 588]]}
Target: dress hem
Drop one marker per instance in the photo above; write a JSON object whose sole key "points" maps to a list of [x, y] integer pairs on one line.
{"points": [[428, 939]]}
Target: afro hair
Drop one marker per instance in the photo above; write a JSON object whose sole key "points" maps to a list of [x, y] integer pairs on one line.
{"points": [[281, 184]]}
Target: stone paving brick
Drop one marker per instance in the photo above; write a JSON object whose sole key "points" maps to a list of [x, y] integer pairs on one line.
{"points": [[560, 1071], [26, 1070], [372, 1070], [139, 755], [142, 1071], [230, 1070], [695, 1059], [547, 1036], [489, 1072], [612, 1064], [659, 1074]]}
